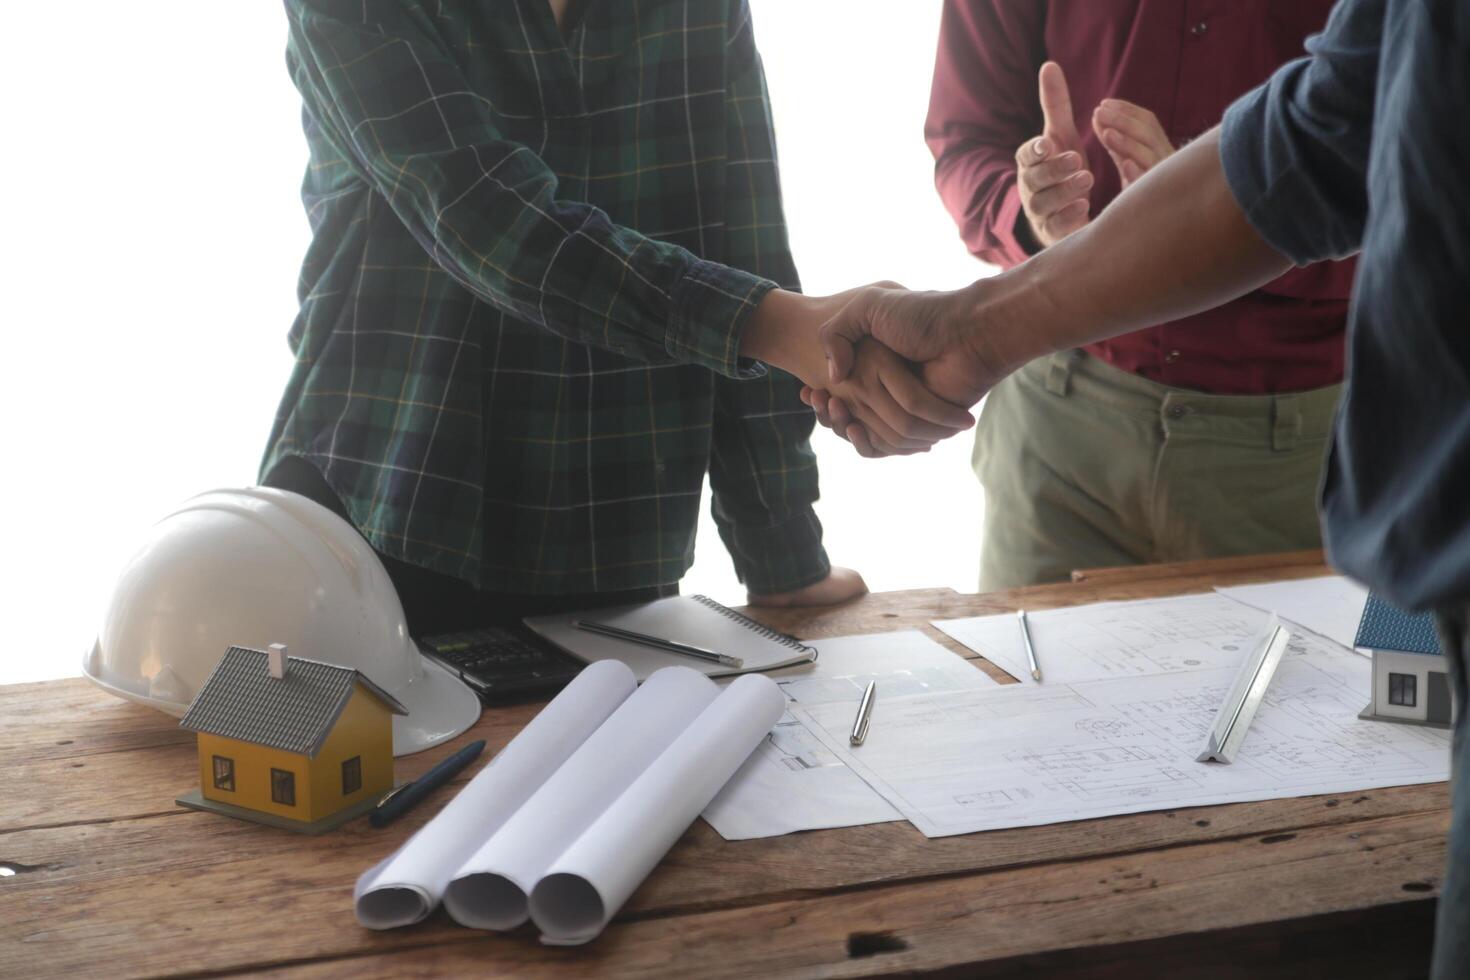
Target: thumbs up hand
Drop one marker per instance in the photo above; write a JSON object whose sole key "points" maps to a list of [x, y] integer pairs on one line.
{"points": [[1051, 172]]}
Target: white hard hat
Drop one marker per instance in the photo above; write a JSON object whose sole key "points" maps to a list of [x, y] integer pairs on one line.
{"points": [[259, 566]]}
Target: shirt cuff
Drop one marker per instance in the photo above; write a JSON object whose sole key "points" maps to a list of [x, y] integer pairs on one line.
{"points": [[1008, 220], [711, 304], [780, 557]]}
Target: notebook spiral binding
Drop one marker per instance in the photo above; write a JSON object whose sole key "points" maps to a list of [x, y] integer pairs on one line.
{"points": [[760, 629]]}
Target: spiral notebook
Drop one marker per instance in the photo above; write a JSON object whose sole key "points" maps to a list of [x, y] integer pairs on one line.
{"points": [[695, 620]]}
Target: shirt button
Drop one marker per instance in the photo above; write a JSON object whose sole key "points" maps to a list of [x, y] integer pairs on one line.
{"points": [[1171, 357], [1177, 411], [1199, 28]]}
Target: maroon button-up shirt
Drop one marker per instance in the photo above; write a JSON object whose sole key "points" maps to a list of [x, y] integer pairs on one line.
{"points": [[1186, 61]]}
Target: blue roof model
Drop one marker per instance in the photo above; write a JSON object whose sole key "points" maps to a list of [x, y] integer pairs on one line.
{"points": [[1384, 626]]}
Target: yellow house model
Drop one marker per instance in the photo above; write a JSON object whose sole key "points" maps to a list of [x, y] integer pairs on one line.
{"points": [[290, 742]]}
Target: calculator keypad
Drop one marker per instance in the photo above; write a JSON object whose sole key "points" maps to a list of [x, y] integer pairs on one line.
{"points": [[501, 665]]}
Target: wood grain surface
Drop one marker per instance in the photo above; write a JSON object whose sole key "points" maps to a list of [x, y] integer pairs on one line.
{"points": [[109, 878]]}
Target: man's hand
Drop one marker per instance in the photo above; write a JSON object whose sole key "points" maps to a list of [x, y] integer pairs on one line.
{"points": [[1132, 136], [832, 414], [883, 385], [840, 585], [1051, 172], [958, 363], [882, 392], [932, 329]]}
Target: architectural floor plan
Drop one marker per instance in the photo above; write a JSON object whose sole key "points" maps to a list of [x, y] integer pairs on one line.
{"points": [[1021, 755], [1123, 639], [793, 781]]}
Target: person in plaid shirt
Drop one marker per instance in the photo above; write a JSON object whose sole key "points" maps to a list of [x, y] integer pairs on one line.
{"points": [[549, 257]]}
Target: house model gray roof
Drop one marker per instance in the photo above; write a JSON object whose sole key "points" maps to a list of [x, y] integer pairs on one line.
{"points": [[294, 713], [1384, 626]]}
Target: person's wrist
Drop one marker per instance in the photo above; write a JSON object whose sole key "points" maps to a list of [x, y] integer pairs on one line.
{"points": [[994, 319], [782, 332]]}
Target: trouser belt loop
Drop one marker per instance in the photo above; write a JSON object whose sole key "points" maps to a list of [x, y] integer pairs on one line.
{"points": [[1286, 423], [1059, 372]]}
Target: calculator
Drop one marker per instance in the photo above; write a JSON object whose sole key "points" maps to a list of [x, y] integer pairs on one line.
{"points": [[503, 665]]}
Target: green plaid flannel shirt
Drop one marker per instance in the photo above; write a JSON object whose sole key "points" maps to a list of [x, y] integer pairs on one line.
{"points": [[516, 355]]}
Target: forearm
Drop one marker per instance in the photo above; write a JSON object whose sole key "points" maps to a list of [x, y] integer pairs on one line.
{"points": [[1174, 244], [386, 98], [782, 332]]}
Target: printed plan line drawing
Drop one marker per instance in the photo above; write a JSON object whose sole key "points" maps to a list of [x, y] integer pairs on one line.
{"points": [[1091, 774], [1023, 755], [793, 781], [1122, 639], [1329, 606]]}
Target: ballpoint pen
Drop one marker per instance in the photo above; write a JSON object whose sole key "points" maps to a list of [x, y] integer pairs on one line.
{"points": [[399, 801], [658, 643], [864, 715], [1030, 650]]}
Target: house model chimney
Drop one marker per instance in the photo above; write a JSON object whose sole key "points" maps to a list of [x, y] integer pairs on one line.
{"points": [[275, 659]]}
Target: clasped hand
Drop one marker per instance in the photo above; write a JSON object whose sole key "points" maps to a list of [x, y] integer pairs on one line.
{"points": [[880, 391], [890, 370]]}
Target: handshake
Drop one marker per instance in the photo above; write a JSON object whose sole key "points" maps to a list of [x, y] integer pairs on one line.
{"points": [[891, 371], [894, 371]]}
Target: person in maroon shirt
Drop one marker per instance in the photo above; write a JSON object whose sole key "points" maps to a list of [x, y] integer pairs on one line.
{"points": [[1197, 438]]}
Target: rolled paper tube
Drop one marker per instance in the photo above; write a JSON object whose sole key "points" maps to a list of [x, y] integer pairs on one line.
{"points": [[407, 885], [491, 890], [585, 887]]}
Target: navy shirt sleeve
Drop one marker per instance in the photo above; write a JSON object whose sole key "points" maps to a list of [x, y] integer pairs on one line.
{"points": [[1295, 150]]}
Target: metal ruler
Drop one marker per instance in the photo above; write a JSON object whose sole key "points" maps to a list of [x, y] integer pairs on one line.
{"points": [[1234, 718]]}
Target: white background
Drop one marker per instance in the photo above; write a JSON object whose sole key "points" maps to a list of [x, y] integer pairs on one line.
{"points": [[153, 234]]}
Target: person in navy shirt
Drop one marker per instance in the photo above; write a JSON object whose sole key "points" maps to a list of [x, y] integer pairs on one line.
{"points": [[1360, 147]]}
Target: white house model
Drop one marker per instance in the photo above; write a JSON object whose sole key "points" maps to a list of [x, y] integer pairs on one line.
{"points": [[1409, 680]]}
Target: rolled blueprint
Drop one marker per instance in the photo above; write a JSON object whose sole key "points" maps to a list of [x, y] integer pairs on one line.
{"points": [[490, 891], [584, 888], [406, 886]]}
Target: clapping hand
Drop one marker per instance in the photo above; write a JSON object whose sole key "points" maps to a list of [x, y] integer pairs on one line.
{"points": [[1132, 136], [1051, 170]]}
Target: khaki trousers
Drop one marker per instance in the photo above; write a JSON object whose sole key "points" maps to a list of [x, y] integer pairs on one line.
{"points": [[1088, 466]]}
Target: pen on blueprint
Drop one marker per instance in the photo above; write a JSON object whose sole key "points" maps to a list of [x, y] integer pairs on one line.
{"points": [[1030, 650], [864, 715]]}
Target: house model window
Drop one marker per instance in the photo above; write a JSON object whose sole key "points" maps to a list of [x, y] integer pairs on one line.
{"points": [[283, 787], [1410, 681], [352, 775], [224, 773]]}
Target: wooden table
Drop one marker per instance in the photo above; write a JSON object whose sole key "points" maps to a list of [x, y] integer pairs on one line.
{"points": [[109, 878]]}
